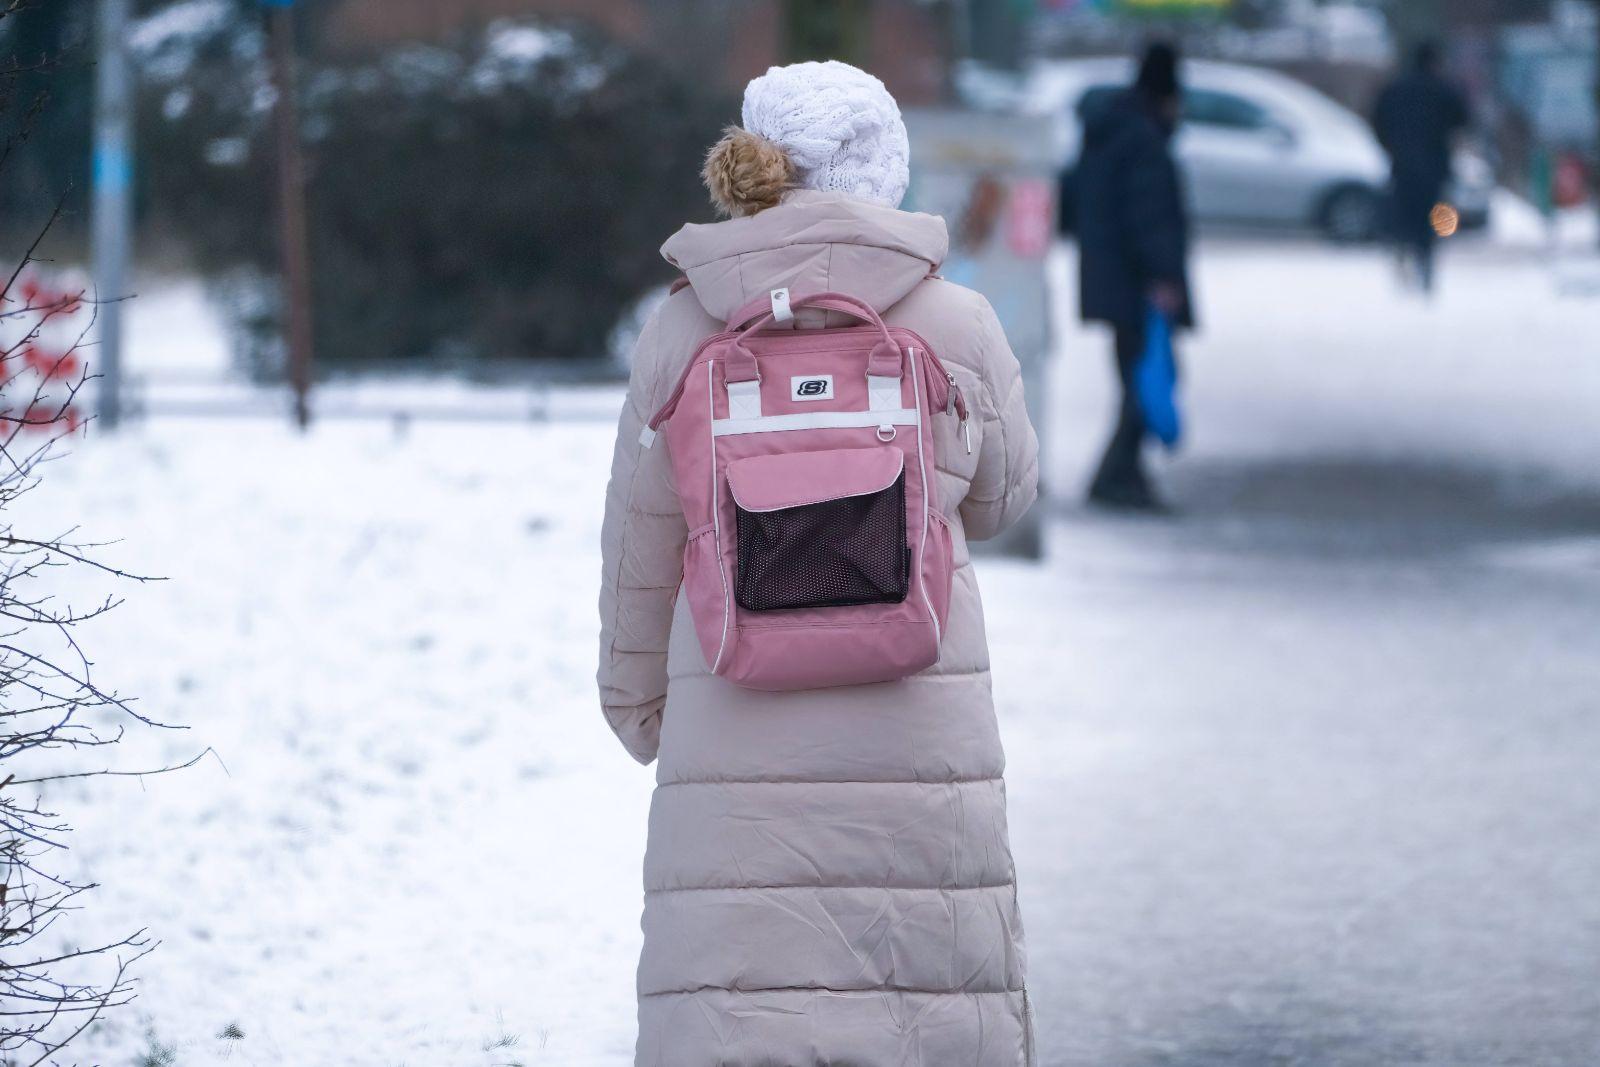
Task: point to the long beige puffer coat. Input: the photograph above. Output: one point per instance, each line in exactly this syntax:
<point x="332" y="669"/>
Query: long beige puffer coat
<point x="828" y="878"/>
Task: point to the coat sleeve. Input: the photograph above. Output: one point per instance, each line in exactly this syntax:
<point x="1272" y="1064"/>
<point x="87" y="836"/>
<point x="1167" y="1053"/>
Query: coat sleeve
<point x="1382" y="119"/>
<point x="1007" y="477"/>
<point x="642" y="565"/>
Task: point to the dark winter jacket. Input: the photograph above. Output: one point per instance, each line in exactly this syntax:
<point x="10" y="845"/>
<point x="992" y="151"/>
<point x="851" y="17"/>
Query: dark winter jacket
<point x="1415" y="118"/>
<point x="1132" y="222"/>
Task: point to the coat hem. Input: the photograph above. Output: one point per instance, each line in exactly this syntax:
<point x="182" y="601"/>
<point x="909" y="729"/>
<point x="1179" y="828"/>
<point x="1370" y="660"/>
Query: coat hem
<point x="832" y="781"/>
<point x="834" y="885"/>
<point x="871" y="991"/>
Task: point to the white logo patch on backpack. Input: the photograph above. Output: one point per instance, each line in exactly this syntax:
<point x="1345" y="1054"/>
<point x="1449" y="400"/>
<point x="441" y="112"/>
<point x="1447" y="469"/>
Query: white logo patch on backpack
<point x="811" y="387"/>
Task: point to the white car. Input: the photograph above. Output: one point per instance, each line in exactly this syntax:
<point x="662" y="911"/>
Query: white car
<point x="1257" y="146"/>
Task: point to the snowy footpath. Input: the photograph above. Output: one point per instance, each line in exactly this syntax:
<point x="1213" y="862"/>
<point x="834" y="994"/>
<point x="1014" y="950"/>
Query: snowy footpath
<point x="1306" y="775"/>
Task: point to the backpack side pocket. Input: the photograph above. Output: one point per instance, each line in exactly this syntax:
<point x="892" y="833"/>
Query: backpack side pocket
<point x="705" y="584"/>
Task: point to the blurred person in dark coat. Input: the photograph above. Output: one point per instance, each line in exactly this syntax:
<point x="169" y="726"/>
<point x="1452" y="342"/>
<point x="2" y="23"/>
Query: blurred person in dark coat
<point x="1416" y="119"/>
<point x="1133" y="248"/>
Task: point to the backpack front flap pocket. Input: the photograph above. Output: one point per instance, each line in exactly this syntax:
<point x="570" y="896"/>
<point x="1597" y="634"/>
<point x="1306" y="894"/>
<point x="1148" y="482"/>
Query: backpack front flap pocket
<point x="821" y="529"/>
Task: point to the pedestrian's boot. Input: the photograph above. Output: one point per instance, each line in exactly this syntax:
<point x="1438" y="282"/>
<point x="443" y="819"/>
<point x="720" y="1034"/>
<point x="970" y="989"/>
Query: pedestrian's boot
<point x="1120" y="482"/>
<point x="1425" y="271"/>
<point x="1127" y="495"/>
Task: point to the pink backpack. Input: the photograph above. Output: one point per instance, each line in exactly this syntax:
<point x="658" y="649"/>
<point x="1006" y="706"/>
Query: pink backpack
<point x="805" y="462"/>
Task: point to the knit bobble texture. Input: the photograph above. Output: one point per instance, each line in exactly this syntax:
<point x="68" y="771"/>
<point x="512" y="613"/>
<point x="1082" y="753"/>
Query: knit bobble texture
<point x="745" y="173"/>
<point x="839" y="125"/>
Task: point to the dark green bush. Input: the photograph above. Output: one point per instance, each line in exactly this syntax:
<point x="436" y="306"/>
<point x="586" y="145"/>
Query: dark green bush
<point x="502" y="196"/>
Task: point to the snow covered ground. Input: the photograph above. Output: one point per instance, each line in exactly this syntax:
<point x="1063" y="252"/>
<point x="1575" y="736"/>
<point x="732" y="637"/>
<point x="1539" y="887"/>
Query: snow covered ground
<point x="1304" y="776"/>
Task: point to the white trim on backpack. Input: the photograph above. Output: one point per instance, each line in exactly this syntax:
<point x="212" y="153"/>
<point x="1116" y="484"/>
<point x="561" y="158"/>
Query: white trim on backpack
<point x="815" y="420"/>
<point x="716" y="522"/>
<point x="744" y="400"/>
<point x="883" y="392"/>
<point x="781" y="313"/>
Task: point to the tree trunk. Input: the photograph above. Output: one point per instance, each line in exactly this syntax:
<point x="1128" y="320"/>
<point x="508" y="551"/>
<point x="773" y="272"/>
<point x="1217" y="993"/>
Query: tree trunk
<point x="994" y="32"/>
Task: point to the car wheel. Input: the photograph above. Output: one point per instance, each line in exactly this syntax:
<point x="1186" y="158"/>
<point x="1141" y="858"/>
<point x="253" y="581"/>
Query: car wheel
<point x="1351" y="214"/>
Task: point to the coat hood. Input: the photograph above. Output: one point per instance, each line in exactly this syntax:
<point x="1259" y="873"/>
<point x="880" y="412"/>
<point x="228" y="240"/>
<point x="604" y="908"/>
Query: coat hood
<point x="812" y="242"/>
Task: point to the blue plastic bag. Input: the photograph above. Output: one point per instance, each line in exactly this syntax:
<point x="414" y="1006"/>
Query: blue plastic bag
<point x="1155" y="381"/>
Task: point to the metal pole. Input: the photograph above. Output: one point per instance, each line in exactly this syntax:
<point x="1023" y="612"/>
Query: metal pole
<point x="112" y="208"/>
<point x="296" y="258"/>
<point x="1595" y="183"/>
<point x="994" y="33"/>
<point x="958" y="44"/>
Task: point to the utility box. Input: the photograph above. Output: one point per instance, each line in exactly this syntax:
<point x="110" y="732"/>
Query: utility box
<point x="993" y="179"/>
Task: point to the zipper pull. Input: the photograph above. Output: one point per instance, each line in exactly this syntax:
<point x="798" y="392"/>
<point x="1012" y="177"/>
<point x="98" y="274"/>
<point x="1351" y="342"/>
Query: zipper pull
<point x="956" y="404"/>
<point x="958" y="401"/>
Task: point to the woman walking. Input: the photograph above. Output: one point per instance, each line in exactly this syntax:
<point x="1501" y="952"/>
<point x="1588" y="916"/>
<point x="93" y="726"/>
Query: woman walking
<point x="828" y="878"/>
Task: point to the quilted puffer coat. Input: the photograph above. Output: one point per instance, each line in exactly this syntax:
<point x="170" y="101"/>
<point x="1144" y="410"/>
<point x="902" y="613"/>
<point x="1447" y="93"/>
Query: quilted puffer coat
<point x="828" y="878"/>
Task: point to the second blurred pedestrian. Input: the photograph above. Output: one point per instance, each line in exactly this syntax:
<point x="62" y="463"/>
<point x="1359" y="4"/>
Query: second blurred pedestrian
<point x="1416" y="119"/>
<point x="1133" y="248"/>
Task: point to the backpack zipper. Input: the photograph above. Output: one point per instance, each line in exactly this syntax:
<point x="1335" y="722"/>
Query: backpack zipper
<point x="954" y="402"/>
<point x="665" y="411"/>
<point x="957" y="404"/>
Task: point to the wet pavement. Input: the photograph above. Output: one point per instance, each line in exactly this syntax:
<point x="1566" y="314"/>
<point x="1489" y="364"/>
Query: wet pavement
<point x="1310" y="773"/>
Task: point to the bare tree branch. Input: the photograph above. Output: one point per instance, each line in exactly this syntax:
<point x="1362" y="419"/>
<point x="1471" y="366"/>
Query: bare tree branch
<point x="54" y="713"/>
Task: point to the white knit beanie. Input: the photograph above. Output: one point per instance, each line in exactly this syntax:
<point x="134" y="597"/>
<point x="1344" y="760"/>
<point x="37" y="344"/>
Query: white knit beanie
<point x="839" y="125"/>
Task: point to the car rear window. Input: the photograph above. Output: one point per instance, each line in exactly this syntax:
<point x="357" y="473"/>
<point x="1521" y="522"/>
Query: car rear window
<point x="1206" y="107"/>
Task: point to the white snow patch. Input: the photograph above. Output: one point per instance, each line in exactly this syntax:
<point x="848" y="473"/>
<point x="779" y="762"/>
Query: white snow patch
<point x="173" y="329"/>
<point x="426" y="838"/>
<point x="524" y="43"/>
<point x="1516" y="223"/>
<point x="177" y="22"/>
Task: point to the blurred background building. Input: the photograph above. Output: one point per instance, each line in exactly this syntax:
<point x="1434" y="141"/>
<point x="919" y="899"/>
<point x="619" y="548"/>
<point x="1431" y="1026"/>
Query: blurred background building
<point x="726" y="42"/>
<point x="472" y="163"/>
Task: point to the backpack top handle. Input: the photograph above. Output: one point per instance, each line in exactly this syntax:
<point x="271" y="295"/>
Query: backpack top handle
<point x="740" y="365"/>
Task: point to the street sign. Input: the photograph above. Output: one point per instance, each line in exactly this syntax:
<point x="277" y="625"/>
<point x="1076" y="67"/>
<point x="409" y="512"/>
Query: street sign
<point x="992" y="177"/>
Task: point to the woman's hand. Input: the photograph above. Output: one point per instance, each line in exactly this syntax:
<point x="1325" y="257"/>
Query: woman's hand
<point x="1167" y="297"/>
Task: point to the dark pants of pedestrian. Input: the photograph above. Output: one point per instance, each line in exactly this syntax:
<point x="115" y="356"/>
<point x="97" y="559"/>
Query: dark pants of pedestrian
<point x="1121" y="470"/>
<point x="1412" y="206"/>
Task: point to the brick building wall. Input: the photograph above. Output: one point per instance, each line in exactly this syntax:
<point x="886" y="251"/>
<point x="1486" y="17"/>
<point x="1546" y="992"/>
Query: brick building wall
<point x="392" y="21"/>
<point x="734" y="39"/>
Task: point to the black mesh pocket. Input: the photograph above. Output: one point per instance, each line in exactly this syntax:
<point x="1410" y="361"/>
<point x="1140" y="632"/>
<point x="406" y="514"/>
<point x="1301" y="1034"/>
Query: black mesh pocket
<point x="835" y="554"/>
